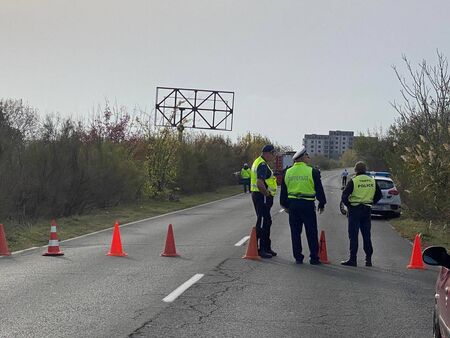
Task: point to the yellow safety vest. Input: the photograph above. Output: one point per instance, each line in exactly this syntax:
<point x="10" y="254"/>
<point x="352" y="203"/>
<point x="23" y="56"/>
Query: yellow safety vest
<point x="299" y="182"/>
<point x="246" y="173"/>
<point x="363" y="190"/>
<point x="271" y="181"/>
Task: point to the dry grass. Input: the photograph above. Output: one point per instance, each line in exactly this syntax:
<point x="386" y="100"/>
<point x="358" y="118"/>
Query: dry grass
<point x="432" y="233"/>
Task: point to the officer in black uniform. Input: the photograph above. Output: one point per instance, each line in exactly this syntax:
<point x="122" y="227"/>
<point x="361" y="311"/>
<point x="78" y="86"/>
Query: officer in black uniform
<point x="263" y="186"/>
<point x="300" y="187"/>
<point x="359" y="195"/>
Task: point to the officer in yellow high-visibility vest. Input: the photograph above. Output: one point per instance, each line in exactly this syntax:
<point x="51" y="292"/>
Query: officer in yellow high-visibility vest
<point x="245" y="177"/>
<point x="263" y="186"/>
<point x="359" y="195"/>
<point x="300" y="187"/>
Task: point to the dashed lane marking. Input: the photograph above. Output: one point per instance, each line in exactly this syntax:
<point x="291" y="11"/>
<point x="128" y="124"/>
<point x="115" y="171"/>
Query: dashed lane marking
<point x="183" y="287"/>
<point x="242" y="241"/>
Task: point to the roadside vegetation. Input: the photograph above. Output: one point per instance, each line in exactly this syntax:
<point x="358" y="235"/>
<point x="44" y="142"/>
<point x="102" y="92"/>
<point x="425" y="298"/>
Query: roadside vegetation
<point x="115" y="163"/>
<point x="416" y="150"/>
<point x="347" y="159"/>
<point x="325" y="163"/>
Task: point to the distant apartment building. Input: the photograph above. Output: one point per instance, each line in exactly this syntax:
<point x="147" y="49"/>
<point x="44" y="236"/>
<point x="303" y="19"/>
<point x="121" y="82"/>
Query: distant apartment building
<point x="316" y="144"/>
<point x="332" y="145"/>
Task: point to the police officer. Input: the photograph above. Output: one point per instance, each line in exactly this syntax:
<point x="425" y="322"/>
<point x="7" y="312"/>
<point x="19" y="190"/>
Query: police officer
<point x="263" y="186"/>
<point x="359" y="195"/>
<point x="344" y="178"/>
<point x="300" y="187"/>
<point x="245" y="178"/>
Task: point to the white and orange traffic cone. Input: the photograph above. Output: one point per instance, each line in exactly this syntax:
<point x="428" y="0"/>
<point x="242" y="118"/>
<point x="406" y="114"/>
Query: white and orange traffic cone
<point x="53" y="243"/>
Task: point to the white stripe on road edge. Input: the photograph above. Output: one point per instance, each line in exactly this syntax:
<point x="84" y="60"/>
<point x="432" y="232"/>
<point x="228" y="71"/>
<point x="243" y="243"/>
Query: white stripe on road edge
<point x="242" y="241"/>
<point x="183" y="287"/>
<point x="152" y="218"/>
<point x="18" y="252"/>
<point x="135" y="222"/>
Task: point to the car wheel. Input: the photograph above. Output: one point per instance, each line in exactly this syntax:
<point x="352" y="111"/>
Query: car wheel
<point x="342" y="208"/>
<point x="436" y="330"/>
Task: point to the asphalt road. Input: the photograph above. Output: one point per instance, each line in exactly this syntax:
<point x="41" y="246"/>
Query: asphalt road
<point x="88" y="294"/>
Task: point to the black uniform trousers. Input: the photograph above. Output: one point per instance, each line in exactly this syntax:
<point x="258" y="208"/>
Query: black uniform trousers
<point x="246" y="184"/>
<point x="262" y="205"/>
<point x="303" y="212"/>
<point x="359" y="219"/>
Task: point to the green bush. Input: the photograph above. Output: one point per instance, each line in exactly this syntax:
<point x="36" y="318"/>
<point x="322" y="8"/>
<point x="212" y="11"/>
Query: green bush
<point x="57" y="167"/>
<point x="325" y="163"/>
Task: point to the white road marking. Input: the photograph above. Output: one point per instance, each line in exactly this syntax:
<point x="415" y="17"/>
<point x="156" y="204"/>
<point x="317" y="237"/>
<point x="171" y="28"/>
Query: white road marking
<point x="18" y="252"/>
<point x="152" y="218"/>
<point x="183" y="287"/>
<point x="131" y="223"/>
<point x="242" y="241"/>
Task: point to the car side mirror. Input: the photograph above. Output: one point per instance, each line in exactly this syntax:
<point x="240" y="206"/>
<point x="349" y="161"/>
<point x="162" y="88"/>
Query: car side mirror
<point x="436" y="255"/>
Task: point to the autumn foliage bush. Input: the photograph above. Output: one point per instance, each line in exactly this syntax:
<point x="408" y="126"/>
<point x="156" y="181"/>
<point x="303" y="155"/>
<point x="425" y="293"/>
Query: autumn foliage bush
<point x="60" y="167"/>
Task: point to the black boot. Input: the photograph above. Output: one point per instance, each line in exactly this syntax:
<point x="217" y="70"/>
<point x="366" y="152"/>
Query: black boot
<point x="349" y="263"/>
<point x="264" y="254"/>
<point x="273" y="253"/>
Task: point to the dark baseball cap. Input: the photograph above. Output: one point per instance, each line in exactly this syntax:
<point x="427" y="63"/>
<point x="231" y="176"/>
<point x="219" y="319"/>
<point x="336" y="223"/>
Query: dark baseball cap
<point x="268" y="148"/>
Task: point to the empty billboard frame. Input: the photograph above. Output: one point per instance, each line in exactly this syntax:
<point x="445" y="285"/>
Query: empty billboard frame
<point x="194" y="108"/>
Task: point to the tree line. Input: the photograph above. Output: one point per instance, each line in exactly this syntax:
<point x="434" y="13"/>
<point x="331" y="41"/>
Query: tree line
<point x="416" y="148"/>
<point x="54" y="167"/>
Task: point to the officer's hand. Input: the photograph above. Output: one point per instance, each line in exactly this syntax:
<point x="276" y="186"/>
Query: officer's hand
<point x="286" y="211"/>
<point x="321" y="211"/>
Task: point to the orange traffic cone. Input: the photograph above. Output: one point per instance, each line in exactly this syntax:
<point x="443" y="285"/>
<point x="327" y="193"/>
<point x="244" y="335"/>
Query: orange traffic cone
<point x="53" y="243"/>
<point x="169" y="249"/>
<point x="4" y="251"/>
<point x="252" y="247"/>
<point x="323" y="257"/>
<point x="416" y="261"/>
<point x="116" y="244"/>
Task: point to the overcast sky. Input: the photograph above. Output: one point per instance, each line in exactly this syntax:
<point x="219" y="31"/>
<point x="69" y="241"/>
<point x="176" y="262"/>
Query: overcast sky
<point x="296" y="66"/>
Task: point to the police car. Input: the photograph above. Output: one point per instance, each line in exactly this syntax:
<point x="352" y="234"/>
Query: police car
<point x="390" y="203"/>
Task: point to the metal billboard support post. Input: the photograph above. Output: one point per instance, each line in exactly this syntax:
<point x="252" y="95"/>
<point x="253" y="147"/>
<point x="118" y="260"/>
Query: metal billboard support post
<point x="180" y="128"/>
